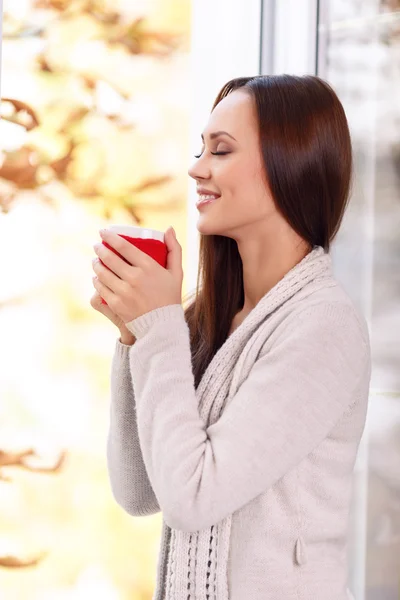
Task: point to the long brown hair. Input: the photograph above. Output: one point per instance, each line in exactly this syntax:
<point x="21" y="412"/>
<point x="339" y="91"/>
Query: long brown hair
<point x="307" y="157"/>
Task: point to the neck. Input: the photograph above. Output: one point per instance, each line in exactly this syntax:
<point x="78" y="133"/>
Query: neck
<point x="265" y="264"/>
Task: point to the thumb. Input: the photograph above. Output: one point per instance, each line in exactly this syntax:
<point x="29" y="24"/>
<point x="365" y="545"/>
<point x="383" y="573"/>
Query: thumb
<point x="174" y="257"/>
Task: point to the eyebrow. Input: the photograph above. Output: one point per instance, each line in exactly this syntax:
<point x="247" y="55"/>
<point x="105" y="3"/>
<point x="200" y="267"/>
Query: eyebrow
<point x="216" y="134"/>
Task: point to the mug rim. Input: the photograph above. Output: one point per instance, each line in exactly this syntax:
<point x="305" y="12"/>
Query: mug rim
<point x="138" y="232"/>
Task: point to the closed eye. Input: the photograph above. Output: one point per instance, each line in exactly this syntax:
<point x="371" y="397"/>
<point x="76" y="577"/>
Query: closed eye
<point x="214" y="153"/>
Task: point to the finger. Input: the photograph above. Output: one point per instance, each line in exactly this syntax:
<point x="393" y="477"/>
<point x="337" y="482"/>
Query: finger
<point x="132" y="254"/>
<point x="95" y="300"/>
<point x="174" y="257"/>
<point x="107" y="277"/>
<point x="96" y="303"/>
<point x="105" y="292"/>
<point x="113" y="261"/>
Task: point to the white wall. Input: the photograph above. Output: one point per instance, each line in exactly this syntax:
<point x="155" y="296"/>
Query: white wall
<point x="225" y="44"/>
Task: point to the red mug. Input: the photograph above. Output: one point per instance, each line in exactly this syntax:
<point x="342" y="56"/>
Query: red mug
<point x="150" y="241"/>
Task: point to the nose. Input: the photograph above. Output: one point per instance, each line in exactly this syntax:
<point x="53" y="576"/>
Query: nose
<point x="200" y="169"/>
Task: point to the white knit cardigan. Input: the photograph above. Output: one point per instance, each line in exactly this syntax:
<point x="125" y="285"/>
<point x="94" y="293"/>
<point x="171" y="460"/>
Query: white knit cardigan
<point x="253" y="470"/>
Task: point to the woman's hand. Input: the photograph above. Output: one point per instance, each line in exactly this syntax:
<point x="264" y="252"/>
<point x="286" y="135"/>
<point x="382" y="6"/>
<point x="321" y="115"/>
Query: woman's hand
<point x="126" y="336"/>
<point x="105" y="310"/>
<point x="131" y="290"/>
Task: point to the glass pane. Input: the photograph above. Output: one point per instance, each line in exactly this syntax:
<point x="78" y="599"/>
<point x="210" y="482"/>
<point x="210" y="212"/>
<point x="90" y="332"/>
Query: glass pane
<point x="359" y="54"/>
<point x="94" y="131"/>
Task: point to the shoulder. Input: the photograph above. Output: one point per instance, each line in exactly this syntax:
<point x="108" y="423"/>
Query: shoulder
<point x="322" y="320"/>
<point x="334" y="303"/>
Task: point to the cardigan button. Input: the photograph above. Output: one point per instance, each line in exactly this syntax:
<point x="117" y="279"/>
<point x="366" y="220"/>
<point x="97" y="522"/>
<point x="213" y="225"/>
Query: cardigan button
<point x="300" y="552"/>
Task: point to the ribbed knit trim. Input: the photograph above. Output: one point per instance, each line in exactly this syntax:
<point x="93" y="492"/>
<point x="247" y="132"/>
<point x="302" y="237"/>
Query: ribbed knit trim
<point x="139" y="326"/>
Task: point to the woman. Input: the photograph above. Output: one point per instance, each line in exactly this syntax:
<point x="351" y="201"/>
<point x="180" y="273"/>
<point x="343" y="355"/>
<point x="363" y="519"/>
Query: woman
<point x="240" y="417"/>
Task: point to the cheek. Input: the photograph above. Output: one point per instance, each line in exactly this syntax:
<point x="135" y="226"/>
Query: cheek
<point x="237" y="176"/>
<point x="246" y="191"/>
<point x="245" y="180"/>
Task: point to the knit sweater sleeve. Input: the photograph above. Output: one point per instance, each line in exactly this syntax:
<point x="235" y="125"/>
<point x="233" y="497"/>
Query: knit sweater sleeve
<point x="295" y="394"/>
<point x="127" y="472"/>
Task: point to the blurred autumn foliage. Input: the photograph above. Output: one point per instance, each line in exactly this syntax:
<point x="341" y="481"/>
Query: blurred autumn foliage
<point x="85" y="115"/>
<point x="83" y="118"/>
<point x="21" y="459"/>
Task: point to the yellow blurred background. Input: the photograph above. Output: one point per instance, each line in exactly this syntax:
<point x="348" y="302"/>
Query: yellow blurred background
<point x="94" y="131"/>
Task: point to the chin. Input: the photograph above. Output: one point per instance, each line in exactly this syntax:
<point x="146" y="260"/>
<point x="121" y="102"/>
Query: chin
<point x="206" y="228"/>
<point x="210" y="229"/>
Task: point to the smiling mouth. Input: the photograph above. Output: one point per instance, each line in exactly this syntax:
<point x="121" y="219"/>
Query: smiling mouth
<point x="205" y="199"/>
<point x="205" y="195"/>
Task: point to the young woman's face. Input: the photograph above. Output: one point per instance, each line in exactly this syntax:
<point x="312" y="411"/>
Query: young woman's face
<point x="244" y="202"/>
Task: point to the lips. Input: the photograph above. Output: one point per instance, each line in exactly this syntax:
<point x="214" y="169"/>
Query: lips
<point x="206" y="200"/>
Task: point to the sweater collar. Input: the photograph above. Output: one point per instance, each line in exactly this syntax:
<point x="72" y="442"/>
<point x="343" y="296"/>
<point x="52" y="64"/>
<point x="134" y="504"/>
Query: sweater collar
<point x="315" y="266"/>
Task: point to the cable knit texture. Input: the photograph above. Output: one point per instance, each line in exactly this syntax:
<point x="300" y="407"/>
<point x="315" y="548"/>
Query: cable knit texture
<point x="253" y="469"/>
